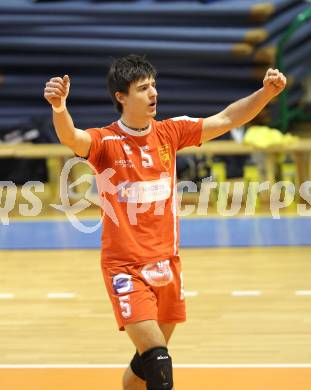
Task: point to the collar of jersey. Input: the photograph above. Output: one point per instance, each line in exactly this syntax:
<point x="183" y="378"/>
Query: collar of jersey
<point x="133" y="132"/>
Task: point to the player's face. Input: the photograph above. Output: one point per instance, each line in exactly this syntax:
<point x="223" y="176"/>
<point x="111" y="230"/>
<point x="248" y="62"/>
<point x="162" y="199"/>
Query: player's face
<point x="141" y="100"/>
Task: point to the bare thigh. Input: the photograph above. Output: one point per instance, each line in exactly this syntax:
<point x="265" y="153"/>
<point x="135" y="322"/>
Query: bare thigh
<point x="145" y="335"/>
<point x="167" y="330"/>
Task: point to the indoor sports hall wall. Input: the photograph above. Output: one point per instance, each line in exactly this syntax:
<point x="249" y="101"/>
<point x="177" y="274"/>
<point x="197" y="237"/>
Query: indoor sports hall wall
<point x="217" y="51"/>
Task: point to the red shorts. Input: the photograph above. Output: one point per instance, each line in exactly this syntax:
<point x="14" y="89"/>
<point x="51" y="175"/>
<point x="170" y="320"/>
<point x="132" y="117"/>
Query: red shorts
<point x="152" y="291"/>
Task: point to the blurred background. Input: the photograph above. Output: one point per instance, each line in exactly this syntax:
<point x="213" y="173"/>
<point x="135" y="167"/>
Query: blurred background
<point x="247" y="269"/>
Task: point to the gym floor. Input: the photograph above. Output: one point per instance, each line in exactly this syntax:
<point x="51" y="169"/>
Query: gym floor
<point x="248" y="311"/>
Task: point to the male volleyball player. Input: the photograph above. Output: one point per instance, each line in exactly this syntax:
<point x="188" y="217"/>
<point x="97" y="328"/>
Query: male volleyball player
<point x="134" y="159"/>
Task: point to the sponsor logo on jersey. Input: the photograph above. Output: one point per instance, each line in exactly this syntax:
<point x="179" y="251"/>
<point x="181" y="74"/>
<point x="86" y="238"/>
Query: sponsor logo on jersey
<point x="113" y="138"/>
<point x="127" y="149"/>
<point x="145" y="191"/>
<point x="158" y="274"/>
<point x="165" y="155"/>
<point x="124" y="163"/>
<point x="185" y="118"/>
<point x="122" y="283"/>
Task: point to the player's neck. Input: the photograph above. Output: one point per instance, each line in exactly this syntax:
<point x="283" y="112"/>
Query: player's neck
<point x="135" y="124"/>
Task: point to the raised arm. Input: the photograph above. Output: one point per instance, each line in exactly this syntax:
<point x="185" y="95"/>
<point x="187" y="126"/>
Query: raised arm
<point x="56" y="92"/>
<point x="244" y="110"/>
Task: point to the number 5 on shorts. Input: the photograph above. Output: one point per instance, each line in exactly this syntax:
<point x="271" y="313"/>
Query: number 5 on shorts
<point x="125" y="306"/>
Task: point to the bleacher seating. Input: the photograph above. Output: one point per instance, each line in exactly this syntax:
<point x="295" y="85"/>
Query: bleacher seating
<point x="208" y="53"/>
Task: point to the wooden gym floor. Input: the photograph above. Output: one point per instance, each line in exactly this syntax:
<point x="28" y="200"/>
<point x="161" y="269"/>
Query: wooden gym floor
<point x="249" y="321"/>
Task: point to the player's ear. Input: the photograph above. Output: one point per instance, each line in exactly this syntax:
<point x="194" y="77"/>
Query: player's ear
<point x="120" y="97"/>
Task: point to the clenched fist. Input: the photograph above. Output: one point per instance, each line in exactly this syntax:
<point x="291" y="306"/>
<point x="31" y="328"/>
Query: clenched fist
<point x="274" y="82"/>
<point x="56" y="92"/>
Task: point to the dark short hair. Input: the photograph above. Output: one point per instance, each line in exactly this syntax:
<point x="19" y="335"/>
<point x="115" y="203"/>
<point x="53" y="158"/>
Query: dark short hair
<point x="125" y="70"/>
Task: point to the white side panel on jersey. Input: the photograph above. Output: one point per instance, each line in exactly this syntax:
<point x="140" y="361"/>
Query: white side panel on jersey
<point x="174" y="210"/>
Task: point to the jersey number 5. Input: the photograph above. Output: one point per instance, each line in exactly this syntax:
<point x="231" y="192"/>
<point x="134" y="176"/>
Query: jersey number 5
<point x="146" y="158"/>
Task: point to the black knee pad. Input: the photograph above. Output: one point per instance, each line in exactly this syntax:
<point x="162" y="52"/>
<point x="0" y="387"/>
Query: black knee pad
<point x="158" y="369"/>
<point x="137" y="366"/>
